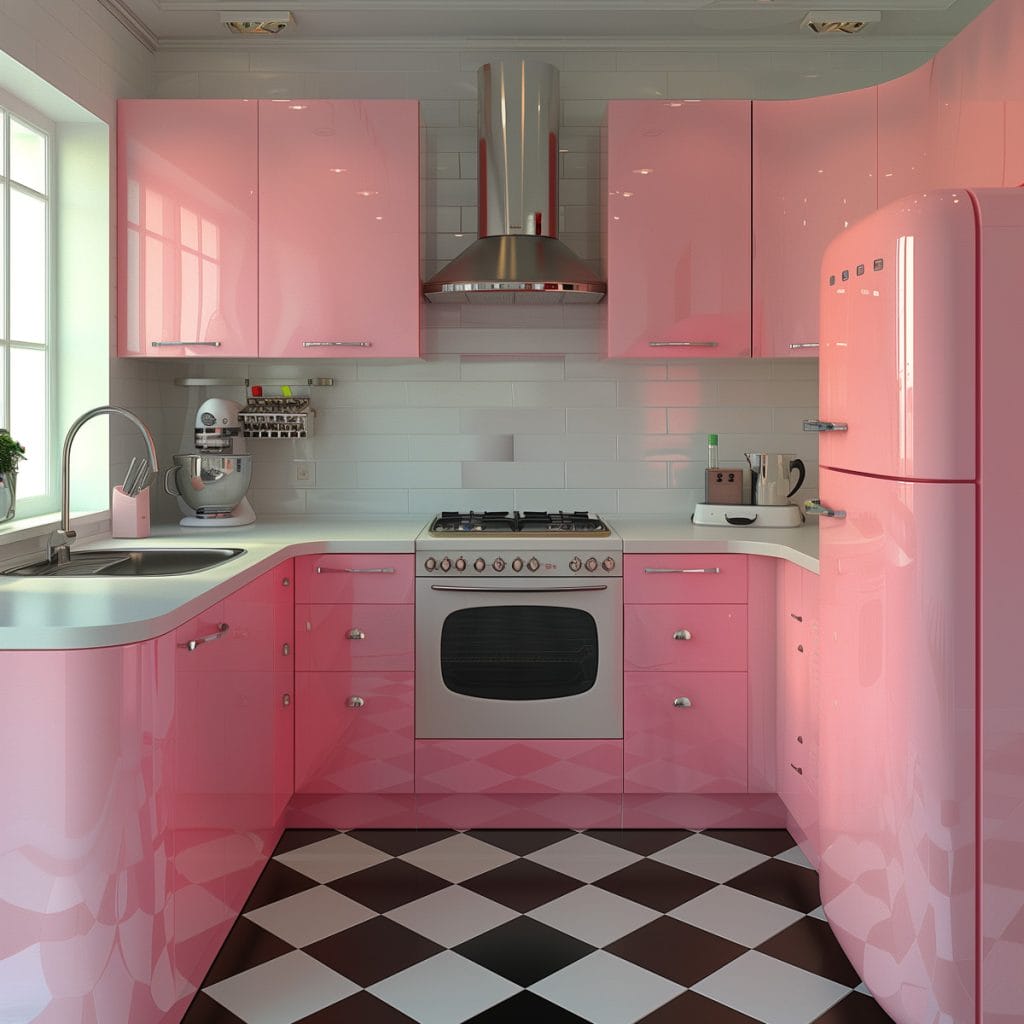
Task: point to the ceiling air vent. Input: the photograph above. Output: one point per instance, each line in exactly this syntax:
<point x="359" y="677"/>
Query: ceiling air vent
<point x="845" y="22"/>
<point x="257" y="23"/>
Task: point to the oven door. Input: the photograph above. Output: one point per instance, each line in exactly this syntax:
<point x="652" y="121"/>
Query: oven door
<point x="519" y="659"/>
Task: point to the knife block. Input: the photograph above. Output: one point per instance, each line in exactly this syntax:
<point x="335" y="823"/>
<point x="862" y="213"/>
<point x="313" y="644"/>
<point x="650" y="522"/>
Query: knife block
<point x="129" y="517"/>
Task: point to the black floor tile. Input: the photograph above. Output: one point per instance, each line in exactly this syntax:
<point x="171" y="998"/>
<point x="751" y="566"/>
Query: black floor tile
<point x="522" y="885"/>
<point x="691" y="1008"/>
<point x="655" y="885"/>
<point x="524" y="950"/>
<point x="811" y="945"/>
<point x="856" y="1008"/>
<point x="373" y="950"/>
<point x="644" y="841"/>
<point x="769" y="841"/>
<point x="526" y="1008"/>
<point x="362" y="1008"/>
<point x="206" y="1010"/>
<point x="276" y="882"/>
<point x="296" y="838"/>
<point x="247" y="945"/>
<point x="521" y="841"/>
<point x="781" y="882"/>
<point x="397" y="841"/>
<point x="676" y="951"/>
<point x="388" y="885"/>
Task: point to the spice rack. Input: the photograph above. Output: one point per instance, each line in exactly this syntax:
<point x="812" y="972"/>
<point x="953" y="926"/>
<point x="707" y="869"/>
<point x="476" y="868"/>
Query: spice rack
<point x="276" y="416"/>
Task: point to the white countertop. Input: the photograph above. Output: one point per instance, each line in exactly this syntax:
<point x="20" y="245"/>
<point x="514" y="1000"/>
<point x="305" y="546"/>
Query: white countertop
<point x="47" y="613"/>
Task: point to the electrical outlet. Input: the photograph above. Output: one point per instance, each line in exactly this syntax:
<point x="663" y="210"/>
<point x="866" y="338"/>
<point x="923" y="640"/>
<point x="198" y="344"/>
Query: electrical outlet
<point x="305" y="472"/>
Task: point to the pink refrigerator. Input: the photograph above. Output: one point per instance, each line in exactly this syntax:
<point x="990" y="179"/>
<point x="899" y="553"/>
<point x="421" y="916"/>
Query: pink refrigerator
<point x="921" y="693"/>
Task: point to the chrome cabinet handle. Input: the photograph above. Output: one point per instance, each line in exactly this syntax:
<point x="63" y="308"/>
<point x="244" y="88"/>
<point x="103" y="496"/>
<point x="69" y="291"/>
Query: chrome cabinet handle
<point x="682" y="702"/>
<point x="824" y="426"/>
<point x="286" y="649"/>
<point x="799" y="739"/>
<point x="517" y="590"/>
<point x="800" y="648"/>
<point x="793" y="615"/>
<point x="355" y="702"/>
<point x="355" y="634"/>
<point x="805" y="344"/>
<point x="799" y="771"/>
<point x="814" y="507"/>
<point x="182" y="344"/>
<point x="191" y="645"/>
<point x="337" y="344"/>
<point x="683" y="344"/>
<point x="682" y="634"/>
<point x="650" y="570"/>
<point x="285" y="581"/>
<point x="320" y="569"/>
<point x="286" y="700"/>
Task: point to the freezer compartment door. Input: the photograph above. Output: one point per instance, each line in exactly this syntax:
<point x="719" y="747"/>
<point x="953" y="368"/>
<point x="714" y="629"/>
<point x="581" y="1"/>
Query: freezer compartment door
<point x="898" y="341"/>
<point x="897" y="748"/>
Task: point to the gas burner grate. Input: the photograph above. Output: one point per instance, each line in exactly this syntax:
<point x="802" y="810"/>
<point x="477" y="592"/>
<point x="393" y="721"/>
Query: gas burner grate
<point x="519" y="522"/>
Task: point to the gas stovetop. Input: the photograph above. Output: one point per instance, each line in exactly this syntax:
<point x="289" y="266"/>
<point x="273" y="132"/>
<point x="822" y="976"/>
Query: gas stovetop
<point x="511" y="523"/>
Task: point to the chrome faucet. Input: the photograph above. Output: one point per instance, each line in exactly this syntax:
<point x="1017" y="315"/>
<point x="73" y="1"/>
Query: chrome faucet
<point x="59" y="542"/>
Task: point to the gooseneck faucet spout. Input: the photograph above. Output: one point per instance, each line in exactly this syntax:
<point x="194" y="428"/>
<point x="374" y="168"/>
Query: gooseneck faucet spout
<point x="59" y="544"/>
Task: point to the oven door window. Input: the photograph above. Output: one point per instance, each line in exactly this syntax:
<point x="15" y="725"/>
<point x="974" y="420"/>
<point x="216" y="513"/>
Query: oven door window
<point x="519" y="652"/>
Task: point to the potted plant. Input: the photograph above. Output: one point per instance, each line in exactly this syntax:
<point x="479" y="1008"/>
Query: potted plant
<point x="11" y="453"/>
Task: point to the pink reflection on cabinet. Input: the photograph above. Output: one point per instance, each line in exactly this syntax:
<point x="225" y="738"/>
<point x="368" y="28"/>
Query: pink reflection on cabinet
<point x="354" y="638"/>
<point x="685" y="637"/>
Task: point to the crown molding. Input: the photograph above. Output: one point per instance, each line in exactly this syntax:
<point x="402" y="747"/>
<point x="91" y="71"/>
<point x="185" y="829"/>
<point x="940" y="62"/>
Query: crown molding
<point x="139" y="29"/>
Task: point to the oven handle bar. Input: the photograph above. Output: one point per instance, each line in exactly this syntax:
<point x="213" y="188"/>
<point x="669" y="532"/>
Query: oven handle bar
<point x="517" y="590"/>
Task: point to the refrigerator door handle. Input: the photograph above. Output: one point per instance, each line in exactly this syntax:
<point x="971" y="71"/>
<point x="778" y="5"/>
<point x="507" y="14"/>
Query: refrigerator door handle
<point x="814" y="507"/>
<point x="823" y="426"/>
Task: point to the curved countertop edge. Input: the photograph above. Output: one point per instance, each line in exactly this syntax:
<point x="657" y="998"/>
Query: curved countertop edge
<point x="665" y="535"/>
<point x="43" y="613"/>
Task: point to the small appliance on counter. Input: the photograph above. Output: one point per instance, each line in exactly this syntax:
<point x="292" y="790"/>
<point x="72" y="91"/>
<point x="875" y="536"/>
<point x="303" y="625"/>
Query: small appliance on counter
<point x="210" y="484"/>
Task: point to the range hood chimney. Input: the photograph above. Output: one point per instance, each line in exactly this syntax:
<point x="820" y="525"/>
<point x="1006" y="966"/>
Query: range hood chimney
<point x="517" y="257"/>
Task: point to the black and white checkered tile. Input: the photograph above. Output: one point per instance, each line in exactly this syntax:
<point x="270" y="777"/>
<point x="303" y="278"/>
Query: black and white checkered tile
<point x="545" y="926"/>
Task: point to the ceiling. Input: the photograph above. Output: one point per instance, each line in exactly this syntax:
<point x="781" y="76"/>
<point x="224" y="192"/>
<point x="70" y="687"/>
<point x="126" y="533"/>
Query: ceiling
<point x="565" y="23"/>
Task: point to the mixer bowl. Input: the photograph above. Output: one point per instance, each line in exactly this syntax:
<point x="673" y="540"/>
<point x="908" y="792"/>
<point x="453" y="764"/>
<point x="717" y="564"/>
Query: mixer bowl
<point x="209" y="484"/>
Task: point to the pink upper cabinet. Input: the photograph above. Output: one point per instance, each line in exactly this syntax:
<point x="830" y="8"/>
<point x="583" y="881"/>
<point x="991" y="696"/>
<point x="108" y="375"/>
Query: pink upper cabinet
<point x="186" y="232"/>
<point x="339" y="228"/>
<point x="814" y="176"/>
<point x="678" y="219"/>
<point x="905" y="155"/>
<point x="897" y="363"/>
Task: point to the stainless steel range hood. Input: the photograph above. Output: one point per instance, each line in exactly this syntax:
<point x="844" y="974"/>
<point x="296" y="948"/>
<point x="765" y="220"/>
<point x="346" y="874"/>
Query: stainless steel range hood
<point x="517" y="257"/>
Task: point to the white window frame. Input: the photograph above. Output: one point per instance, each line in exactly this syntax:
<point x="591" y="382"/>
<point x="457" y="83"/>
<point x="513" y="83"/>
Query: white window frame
<point x="11" y="106"/>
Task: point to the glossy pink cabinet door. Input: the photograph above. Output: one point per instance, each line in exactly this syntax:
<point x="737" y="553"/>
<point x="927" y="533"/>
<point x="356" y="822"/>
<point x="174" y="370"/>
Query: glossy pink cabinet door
<point x="354" y="637"/>
<point x="355" y="579"/>
<point x="685" y="732"/>
<point x="814" y="176"/>
<point x="684" y="579"/>
<point x="339" y="228"/>
<point x="897" y="787"/>
<point x="898" y="366"/>
<point x="354" y="732"/>
<point x="905" y="150"/>
<point x="186" y="238"/>
<point x="685" y="637"/>
<point x="678" y="228"/>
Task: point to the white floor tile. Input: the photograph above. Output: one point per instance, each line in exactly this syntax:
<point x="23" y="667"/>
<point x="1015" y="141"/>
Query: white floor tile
<point x="458" y="857"/>
<point x="584" y="857"/>
<point x="736" y="915"/>
<point x="445" y="989"/>
<point x="282" y="991"/>
<point x="795" y="856"/>
<point x="310" y="915"/>
<point x="770" y="990"/>
<point x="606" y="990"/>
<point x="709" y="858"/>
<point x="451" y="915"/>
<point x="593" y="915"/>
<point x="332" y="858"/>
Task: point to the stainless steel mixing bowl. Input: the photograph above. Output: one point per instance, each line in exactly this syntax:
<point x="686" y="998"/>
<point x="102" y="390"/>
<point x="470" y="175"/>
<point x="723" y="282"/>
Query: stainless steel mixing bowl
<point x="209" y="483"/>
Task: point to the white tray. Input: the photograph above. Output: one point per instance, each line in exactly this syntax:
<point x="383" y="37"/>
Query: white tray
<point x="747" y="516"/>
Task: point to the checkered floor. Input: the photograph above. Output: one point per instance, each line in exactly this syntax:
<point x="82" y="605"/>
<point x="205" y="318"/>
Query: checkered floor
<point x="545" y="926"/>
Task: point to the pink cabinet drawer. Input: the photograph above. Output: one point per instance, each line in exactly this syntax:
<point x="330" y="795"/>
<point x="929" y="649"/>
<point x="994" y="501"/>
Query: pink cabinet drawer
<point x="354" y="732"/>
<point x="347" y="579"/>
<point x="686" y="732"/>
<point x="678" y="579"/>
<point x="353" y="637"/>
<point x="685" y="637"/>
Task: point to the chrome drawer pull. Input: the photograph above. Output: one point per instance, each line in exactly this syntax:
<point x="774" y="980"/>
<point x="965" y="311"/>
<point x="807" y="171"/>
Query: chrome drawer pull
<point x="805" y="344"/>
<point x="286" y="649"/>
<point x="814" y="507"/>
<point x="823" y="426"/>
<point x="517" y="590"/>
<point x="191" y="645"/>
<point x="799" y="739"/>
<point x="355" y="634"/>
<point x="354" y="702"/>
<point x="182" y="344"/>
<point x="286" y="700"/>
<point x="793" y="615"/>
<point x="800" y="648"/>
<point x="799" y="771"/>
<point x="682" y="634"/>
<point x="681" y="570"/>
<point x="682" y="702"/>
<point x="321" y="569"/>
<point x="683" y="344"/>
<point x="337" y="344"/>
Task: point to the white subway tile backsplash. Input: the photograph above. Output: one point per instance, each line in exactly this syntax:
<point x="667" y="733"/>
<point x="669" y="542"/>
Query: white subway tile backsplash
<point x="619" y="421"/>
<point x="462" y="447"/>
<point x="586" y="86"/>
<point x="596" y="368"/>
<point x="670" y="393"/>
<point x="561" y="394"/>
<point x="331" y="475"/>
<point x="363" y="502"/>
<point x="662" y="447"/>
<point x="461" y="394"/>
<point x="288" y="501"/>
<point x="522" y="369"/>
<point x="783" y="392"/>
<point x="616" y="474"/>
<point x="570" y="447"/>
<point x="408" y="474"/>
<point x="714" y="419"/>
<point x="430" y="502"/>
<point x="513" y="474"/>
<point x="430" y="369"/>
<point x="360" y="421"/>
<point x="668" y="502"/>
<point x="512" y="421"/>
<point x="601" y="500"/>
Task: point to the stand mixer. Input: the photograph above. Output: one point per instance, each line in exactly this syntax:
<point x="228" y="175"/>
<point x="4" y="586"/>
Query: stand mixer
<point x="211" y="484"/>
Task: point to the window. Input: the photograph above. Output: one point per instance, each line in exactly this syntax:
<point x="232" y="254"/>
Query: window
<point x="25" y="298"/>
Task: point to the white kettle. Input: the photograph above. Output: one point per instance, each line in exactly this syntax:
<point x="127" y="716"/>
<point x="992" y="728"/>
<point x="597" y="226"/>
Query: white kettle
<point x="772" y="475"/>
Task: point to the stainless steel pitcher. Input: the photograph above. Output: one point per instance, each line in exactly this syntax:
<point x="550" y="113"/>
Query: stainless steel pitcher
<point x="772" y="474"/>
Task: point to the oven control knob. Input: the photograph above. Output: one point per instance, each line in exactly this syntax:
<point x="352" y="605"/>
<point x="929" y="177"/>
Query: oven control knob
<point x="479" y="565"/>
<point x="430" y="564"/>
<point x="446" y="565"/>
<point x="575" y="564"/>
<point x="460" y="564"/>
<point x="608" y="564"/>
<point x="533" y="565"/>
<point x="498" y="565"/>
<point x="591" y="564"/>
<point x="517" y="565"/>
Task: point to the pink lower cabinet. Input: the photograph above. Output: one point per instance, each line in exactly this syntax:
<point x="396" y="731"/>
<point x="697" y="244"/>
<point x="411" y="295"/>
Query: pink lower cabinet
<point x="354" y="637"/>
<point x="354" y="732"/>
<point x="685" y="637"/>
<point x="685" y="732"/>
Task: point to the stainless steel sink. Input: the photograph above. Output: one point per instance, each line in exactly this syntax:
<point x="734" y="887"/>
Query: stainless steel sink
<point x="132" y="562"/>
